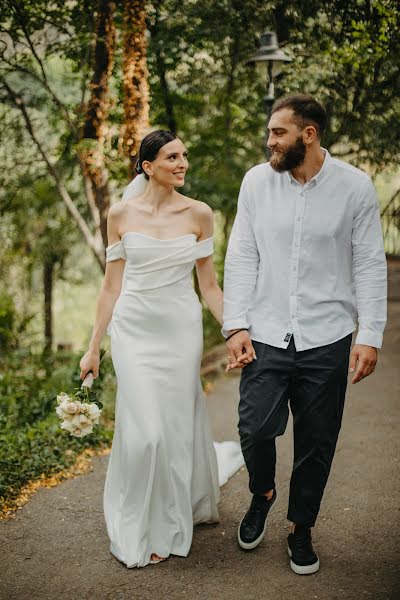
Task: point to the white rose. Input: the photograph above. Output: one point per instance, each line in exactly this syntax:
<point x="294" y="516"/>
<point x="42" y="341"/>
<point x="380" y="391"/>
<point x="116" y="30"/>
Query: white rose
<point x="94" y="410"/>
<point x="62" y="397"/>
<point x="60" y="411"/>
<point x="72" y="408"/>
<point x="68" y="417"/>
<point x="67" y="425"/>
<point x="76" y="420"/>
<point x="84" y="408"/>
<point x="84" y="420"/>
<point x="81" y="431"/>
<point x="88" y="429"/>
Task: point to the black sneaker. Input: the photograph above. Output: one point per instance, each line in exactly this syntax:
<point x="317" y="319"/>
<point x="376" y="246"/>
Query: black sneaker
<point x="252" y="527"/>
<point x="303" y="561"/>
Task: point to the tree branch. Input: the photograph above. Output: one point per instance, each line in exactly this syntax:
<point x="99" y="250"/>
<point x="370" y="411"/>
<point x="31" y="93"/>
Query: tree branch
<point x="90" y="239"/>
<point x="28" y="39"/>
<point x="47" y="87"/>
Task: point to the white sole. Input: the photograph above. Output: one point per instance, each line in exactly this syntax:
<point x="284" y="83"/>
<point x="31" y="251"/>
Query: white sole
<point x="303" y="570"/>
<point x="252" y="545"/>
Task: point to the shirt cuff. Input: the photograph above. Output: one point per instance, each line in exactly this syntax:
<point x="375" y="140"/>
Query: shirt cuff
<point x="369" y="338"/>
<point x="234" y="324"/>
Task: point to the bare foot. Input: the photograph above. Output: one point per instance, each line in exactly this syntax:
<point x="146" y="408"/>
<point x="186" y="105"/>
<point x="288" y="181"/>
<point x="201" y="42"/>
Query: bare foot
<point x="154" y="559"/>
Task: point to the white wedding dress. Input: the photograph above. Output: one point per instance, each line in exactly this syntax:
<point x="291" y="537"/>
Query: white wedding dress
<point x="162" y="475"/>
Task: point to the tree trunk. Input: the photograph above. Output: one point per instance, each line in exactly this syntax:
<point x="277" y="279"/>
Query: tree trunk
<point x="95" y="126"/>
<point x="162" y="70"/>
<point x="135" y="84"/>
<point x="168" y="105"/>
<point x="48" y="272"/>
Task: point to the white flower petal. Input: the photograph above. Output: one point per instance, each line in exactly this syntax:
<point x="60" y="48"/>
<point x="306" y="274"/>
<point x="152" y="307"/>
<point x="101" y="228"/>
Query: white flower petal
<point x="94" y="409"/>
<point x="62" y="398"/>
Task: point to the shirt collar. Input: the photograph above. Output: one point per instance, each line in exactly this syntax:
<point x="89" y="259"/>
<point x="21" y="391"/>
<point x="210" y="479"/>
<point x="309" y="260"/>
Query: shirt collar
<point x="318" y="176"/>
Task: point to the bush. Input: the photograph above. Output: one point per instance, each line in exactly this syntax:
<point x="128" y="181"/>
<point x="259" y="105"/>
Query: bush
<point x="31" y="441"/>
<point x="28" y="452"/>
<point x="7" y="321"/>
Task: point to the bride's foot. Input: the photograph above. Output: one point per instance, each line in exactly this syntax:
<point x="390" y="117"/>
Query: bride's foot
<point x="154" y="559"/>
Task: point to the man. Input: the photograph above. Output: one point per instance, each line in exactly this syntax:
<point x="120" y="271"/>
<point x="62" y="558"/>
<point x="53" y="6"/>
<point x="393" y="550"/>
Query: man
<point x="305" y="261"/>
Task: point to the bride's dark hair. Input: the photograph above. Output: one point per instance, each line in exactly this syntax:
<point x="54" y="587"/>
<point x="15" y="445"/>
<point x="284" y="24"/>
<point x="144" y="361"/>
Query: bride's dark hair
<point x="150" y="147"/>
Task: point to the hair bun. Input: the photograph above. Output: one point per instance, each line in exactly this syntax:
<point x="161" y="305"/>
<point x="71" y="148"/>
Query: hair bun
<point x="138" y="167"/>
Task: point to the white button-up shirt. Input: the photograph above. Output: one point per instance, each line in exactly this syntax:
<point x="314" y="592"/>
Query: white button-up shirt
<point x="306" y="260"/>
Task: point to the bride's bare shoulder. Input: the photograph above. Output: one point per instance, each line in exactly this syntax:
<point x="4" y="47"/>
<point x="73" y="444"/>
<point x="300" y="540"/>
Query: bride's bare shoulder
<point x="199" y="209"/>
<point x="202" y="218"/>
<point x="118" y="210"/>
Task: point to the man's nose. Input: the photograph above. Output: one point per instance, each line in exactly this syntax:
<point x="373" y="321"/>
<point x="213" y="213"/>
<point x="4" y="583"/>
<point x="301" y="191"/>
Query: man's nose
<point x="271" y="141"/>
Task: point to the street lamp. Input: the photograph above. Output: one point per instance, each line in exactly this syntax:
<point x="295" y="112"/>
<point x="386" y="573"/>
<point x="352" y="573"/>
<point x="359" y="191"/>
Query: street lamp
<point x="269" y="60"/>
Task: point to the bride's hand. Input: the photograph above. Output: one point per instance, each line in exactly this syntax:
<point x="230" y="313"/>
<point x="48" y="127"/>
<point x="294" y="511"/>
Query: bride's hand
<point x="239" y="364"/>
<point x="240" y="350"/>
<point x="90" y="362"/>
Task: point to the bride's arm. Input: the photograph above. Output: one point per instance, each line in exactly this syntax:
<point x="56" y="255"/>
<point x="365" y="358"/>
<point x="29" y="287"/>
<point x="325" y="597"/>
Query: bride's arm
<point x="108" y="295"/>
<point x="209" y="288"/>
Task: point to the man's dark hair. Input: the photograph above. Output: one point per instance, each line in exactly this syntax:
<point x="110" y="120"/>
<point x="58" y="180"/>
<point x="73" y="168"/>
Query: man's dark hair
<point x="307" y="110"/>
<point x="151" y="145"/>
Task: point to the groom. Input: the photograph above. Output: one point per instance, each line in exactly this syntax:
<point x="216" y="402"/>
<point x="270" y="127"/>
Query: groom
<point x="305" y="263"/>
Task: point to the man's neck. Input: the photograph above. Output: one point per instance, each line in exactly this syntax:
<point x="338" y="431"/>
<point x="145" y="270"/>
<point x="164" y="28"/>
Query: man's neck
<point x="311" y="166"/>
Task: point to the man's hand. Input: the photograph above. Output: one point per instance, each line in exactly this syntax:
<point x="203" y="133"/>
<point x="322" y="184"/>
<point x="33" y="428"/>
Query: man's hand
<point x="362" y="361"/>
<point x="240" y="350"/>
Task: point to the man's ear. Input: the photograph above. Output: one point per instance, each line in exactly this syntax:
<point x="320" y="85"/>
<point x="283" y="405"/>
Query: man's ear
<point x="309" y="134"/>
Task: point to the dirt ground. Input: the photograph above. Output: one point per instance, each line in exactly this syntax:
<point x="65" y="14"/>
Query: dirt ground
<point x="57" y="547"/>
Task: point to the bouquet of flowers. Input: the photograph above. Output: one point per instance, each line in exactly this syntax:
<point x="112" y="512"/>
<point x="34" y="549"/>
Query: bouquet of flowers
<point x="81" y="409"/>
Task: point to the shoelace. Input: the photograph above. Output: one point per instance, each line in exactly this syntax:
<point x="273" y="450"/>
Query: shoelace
<point x="302" y="539"/>
<point x="256" y="507"/>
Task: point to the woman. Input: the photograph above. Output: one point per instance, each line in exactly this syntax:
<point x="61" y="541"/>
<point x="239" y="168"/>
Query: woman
<point x="162" y="476"/>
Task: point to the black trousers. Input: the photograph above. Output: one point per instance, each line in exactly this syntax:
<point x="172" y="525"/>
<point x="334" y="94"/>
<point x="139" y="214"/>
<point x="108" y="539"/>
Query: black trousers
<point x="314" y="382"/>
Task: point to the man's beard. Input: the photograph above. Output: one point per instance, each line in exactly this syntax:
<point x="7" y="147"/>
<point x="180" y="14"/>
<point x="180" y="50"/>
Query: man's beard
<point x="290" y="158"/>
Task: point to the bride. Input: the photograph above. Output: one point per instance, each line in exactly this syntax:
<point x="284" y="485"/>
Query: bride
<point x="162" y="475"/>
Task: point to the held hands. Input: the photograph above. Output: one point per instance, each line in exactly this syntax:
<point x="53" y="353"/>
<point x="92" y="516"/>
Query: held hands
<point x="362" y="361"/>
<point x="90" y="362"/>
<point x="240" y="351"/>
<point x="363" y="358"/>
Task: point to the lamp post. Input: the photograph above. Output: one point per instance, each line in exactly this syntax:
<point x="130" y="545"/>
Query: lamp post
<point x="269" y="61"/>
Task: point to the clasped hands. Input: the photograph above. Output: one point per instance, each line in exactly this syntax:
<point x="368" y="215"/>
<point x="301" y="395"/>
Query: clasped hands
<point x="241" y="352"/>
